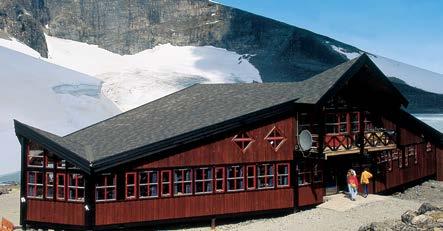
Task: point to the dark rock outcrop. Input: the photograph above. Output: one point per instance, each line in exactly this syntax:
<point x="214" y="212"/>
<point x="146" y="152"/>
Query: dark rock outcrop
<point x="281" y="52"/>
<point x="428" y="217"/>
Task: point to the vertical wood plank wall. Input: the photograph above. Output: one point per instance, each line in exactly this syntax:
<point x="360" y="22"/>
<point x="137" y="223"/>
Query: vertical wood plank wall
<point x="192" y="206"/>
<point x="55" y="212"/>
<point x="220" y="152"/>
<point x="426" y="166"/>
<point x="224" y="151"/>
<point x="439" y="154"/>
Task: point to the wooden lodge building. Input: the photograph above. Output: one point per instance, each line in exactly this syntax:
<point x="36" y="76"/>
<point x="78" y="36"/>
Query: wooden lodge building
<point x="220" y="150"/>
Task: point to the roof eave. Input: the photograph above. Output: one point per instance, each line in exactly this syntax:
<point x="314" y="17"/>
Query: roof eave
<point x="191" y="137"/>
<point x="22" y="130"/>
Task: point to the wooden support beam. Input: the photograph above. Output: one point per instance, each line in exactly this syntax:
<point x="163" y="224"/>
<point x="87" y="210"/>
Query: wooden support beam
<point x="213" y="224"/>
<point x="23" y="178"/>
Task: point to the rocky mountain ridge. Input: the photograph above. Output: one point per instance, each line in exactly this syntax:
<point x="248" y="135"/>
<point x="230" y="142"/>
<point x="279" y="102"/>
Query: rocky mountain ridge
<point x="279" y="51"/>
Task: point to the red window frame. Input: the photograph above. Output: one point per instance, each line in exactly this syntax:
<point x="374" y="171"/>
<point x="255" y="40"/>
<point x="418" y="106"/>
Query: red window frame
<point x="30" y="156"/>
<point x="249" y="177"/>
<point x="61" y="164"/>
<point x="168" y="184"/>
<point x="236" y="177"/>
<point x="77" y="187"/>
<point x="33" y="186"/>
<point x="354" y="122"/>
<point x="133" y="186"/>
<point x="60" y="188"/>
<point x="243" y="141"/>
<point x="288" y="175"/>
<point x="106" y="187"/>
<point x="183" y="182"/>
<point x="148" y="183"/>
<point x="49" y="186"/>
<point x="275" y="138"/>
<point x="266" y="176"/>
<point x="49" y="162"/>
<point x="205" y="180"/>
<point x="217" y="179"/>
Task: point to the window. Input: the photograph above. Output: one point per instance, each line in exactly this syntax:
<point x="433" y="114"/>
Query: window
<point x="148" y="182"/>
<point x="265" y="176"/>
<point x="343" y="125"/>
<point x="166" y="183"/>
<point x="235" y="178"/>
<point x="35" y="184"/>
<point x="243" y="140"/>
<point x="395" y="153"/>
<point x="61" y="181"/>
<point x="61" y="164"/>
<point x="50" y="185"/>
<point x="355" y="121"/>
<point x="219" y="179"/>
<point x="182" y="182"/>
<point x="35" y="155"/>
<point x="317" y="176"/>
<point x="389" y="160"/>
<point x="203" y="180"/>
<point x="105" y="189"/>
<point x="49" y="161"/>
<point x="282" y="175"/>
<point x="400" y="159"/>
<point x="275" y="138"/>
<point x="428" y="147"/>
<point x="76" y="187"/>
<point x="131" y="185"/>
<point x="71" y="166"/>
<point x="332" y="123"/>
<point x="250" y="176"/>
<point x="369" y="126"/>
<point x="412" y="151"/>
<point x="304" y="175"/>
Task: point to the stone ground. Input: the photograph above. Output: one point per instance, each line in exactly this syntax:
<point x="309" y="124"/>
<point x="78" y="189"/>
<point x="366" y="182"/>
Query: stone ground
<point x="337" y="213"/>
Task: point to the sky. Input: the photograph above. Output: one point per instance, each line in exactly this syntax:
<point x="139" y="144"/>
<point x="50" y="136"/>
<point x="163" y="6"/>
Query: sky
<point x="409" y="31"/>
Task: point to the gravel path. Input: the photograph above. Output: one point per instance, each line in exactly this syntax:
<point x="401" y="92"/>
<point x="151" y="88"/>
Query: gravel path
<point x="329" y="219"/>
<point x="338" y="213"/>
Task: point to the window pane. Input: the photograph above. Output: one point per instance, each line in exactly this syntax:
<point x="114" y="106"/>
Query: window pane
<point x="153" y="177"/>
<point x="50" y="192"/>
<point x="130" y="191"/>
<point x="100" y="194"/>
<point x="143" y="191"/>
<point x="110" y="193"/>
<point x="153" y="190"/>
<point x="143" y="178"/>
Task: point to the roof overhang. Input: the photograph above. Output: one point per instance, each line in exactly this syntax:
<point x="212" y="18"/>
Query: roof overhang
<point x="23" y="130"/>
<point x="361" y="62"/>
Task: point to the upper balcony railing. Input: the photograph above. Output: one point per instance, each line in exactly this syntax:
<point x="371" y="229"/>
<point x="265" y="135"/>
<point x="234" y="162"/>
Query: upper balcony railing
<point x="347" y="133"/>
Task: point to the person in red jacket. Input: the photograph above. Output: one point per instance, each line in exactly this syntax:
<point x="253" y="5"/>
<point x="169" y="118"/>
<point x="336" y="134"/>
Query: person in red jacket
<point x="352" y="184"/>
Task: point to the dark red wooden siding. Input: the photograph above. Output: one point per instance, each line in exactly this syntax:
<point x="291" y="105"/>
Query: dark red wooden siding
<point x="192" y="206"/>
<point x="439" y="153"/>
<point x="55" y="212"/>
<point x="219" y="152"/>
<point x="311" y="194"/>
<point x="225" y="151"/>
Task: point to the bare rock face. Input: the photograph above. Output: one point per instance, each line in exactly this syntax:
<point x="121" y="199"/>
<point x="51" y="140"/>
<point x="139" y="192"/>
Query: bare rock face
<point x="281" y="52"/>
<point x="18" y="19"/>
<point x="425" y="207"/>
<point x="428" y="217"/>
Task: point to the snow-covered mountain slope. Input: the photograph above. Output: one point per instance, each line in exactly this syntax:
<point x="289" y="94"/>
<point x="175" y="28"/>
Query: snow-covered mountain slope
<point x="412" y="75"/>
<point x="44" y="95"/>
<point x="132" y="80"/>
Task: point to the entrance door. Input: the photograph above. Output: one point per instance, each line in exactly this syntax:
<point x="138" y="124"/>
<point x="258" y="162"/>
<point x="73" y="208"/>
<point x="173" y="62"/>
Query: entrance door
<point x="335" y="172"/>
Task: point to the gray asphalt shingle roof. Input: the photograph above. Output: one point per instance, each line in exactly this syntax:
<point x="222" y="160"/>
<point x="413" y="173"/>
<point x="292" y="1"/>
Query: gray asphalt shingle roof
<point x="193" y="108"/>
